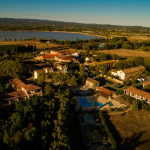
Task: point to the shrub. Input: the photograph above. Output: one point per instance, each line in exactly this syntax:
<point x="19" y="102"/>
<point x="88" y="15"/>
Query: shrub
<point x="116" y="86"/>
<point x="109" y="134"/>
<point x="119" y="91"/>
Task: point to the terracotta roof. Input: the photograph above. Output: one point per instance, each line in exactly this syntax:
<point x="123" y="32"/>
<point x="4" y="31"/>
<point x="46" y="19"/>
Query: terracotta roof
<point x="31" y="87"/>
<point x="13" y="95"/>
<point x="19" y="84"/>
<point x="49" y="56"/>
<point x="105" y="90"/>
<point x="147" y="83"/>
<point x="103" y="94"/>
<point x="135" y="69"/>
<point x="91" y="80"/>
<point x="103" y="62"/>
<point x="66" y="57"/>
<point x="138" y="92"/>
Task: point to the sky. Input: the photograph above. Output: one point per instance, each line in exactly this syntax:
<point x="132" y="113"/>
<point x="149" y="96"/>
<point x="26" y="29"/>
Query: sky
<point x="114" y="12"/>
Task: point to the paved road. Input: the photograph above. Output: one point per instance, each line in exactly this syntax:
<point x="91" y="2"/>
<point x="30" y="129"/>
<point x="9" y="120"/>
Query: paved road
<point x="111" y="84"/>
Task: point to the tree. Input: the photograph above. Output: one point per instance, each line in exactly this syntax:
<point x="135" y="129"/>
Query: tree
<point x="76" y="73"/>
<point x="41" y="77"/>
<point x="93" y="107"/>
<point x="5" y="39"/>
<point x="146" y="88"/>
<point x="8" y="86"/>
<point x="119" y="91"/>
<point x="1" y="89"/>
<point x="16" y="119"/>
<point x="139" y="61"/>
<point x="87" y="52"/>
<point x="73" y="81"/>
<point x="6" y="137"/>
<point x="114" y="56"/>
<point x="81" y="80"/>
<point x="135" y="105"/>
<point x="82" y="68"/>
<point x="49" y="89"/>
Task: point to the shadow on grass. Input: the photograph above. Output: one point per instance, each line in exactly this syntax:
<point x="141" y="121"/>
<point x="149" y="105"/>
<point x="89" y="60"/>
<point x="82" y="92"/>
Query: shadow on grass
<point x="130" y="143"/>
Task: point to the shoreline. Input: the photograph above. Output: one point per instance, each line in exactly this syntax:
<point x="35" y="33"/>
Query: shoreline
<point x="62" y="32"/>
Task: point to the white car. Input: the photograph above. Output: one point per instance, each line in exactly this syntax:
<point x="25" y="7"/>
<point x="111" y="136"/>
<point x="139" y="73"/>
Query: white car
<point x="142" y="79"/>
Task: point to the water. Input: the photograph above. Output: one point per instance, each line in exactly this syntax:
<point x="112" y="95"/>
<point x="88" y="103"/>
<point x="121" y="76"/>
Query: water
<point x="46" y="35"/>
<point x="85" y="103"/>
<point x="110" y="104"/>
<point x="101" y="45"/>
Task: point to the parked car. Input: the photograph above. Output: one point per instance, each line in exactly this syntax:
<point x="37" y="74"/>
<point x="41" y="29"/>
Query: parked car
<point x="142" y="79"/>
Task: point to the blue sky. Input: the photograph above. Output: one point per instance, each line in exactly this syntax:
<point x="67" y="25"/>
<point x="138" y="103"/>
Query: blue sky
<point x="115" y="12"/>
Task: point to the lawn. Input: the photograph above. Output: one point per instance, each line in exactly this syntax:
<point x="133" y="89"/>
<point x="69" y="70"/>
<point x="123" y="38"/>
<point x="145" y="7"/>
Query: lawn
<point x="131" y="130"/>
<point x="39" y="45"/>
<point x="127" y="53"/>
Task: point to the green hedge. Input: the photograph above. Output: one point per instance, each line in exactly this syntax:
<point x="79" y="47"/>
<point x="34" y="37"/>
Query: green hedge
<point x="109" y="134"/>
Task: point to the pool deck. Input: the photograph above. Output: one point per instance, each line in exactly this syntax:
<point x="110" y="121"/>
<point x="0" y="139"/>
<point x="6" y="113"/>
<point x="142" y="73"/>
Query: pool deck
<point x="102" y="99"/>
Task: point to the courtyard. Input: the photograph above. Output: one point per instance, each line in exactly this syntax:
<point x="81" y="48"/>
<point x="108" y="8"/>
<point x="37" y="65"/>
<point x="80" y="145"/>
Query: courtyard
<point x="100" y="102"/>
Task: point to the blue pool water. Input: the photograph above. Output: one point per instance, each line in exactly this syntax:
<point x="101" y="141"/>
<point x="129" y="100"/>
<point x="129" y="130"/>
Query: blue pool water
<point x="85" y="103"/>
<point x="110" y="104"/>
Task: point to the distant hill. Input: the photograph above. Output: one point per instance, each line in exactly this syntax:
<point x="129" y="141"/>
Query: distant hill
<point x="12" y="22"/>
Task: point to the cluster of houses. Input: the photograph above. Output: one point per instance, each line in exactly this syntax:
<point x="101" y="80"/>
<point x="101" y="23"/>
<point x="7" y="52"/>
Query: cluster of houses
<point x="57" y="68"/>
<point x="63" y="56"/>
<point x="23" y="90"/>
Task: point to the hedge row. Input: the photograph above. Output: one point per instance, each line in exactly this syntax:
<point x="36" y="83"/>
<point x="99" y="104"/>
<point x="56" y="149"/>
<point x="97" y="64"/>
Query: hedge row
<point x="109" y="134"/>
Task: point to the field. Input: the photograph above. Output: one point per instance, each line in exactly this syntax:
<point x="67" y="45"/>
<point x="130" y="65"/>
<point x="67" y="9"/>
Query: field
<point x="4" y="48"/>
<point x="39" y="45"/>
<point x="131" y="130"/>
<point x="127" y="53"/>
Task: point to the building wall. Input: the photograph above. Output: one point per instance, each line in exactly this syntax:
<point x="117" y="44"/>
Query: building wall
<point x="34" y="93"/>
<point x="35" y="75"/>
<point x="39" y="58"/>
<point x="92" y="85"/>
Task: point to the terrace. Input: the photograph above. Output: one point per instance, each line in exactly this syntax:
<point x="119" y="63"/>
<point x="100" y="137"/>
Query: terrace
<point x="100" y="102"/>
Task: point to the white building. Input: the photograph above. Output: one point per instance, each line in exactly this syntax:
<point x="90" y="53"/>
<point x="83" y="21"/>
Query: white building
<point x="127" y="73"/>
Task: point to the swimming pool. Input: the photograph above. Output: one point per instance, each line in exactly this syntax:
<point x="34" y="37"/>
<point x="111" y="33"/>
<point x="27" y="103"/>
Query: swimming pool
<point x="110" y="104"/>
<point x="85" y="103"/>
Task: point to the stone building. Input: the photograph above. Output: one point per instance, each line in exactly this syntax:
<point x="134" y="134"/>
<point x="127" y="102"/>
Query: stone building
<point x="91" y="83"/>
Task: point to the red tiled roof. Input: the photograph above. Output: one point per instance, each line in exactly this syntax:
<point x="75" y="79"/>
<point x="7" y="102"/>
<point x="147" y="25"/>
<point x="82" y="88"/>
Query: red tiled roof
<point x="49" y="56"/>
<point x="103" y="94"/>
<point x="19" y="84"/>
<point x="13" y="95"/>
<point x="147" y="83"/>
<point x="104" y="90"/>
<point x="138" y="92"/>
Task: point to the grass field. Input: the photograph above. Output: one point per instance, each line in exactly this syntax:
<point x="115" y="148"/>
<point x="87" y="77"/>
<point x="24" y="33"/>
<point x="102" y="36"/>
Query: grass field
<point x="4" y="48"/>
<point x="131" y="130"/>
<point x="39" y="45"/>
<point x="127" y="53"/>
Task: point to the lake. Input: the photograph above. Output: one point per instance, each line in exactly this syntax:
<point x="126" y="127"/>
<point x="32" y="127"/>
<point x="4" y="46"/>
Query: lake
<point x="46" y="35"/>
